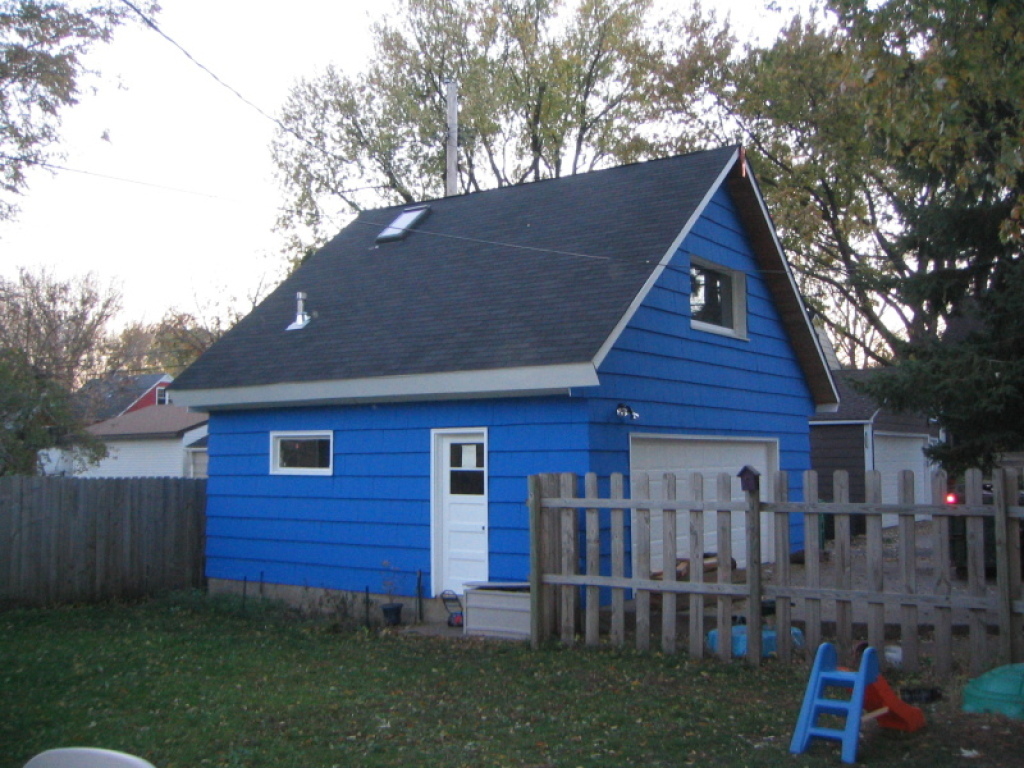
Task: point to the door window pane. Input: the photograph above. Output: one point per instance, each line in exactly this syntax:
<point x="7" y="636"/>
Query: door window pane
<point x="467" y="482"/>
<point x="466" y="477"/>
<point x="467" y="455"/>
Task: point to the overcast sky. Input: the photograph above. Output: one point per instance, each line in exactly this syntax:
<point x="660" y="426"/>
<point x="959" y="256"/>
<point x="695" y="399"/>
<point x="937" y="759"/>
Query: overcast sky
<point x="177" y="201"/>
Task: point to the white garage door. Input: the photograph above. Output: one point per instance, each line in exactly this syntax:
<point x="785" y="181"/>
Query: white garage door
<point x="683" y="456"/>
<point x="895" y="453"/>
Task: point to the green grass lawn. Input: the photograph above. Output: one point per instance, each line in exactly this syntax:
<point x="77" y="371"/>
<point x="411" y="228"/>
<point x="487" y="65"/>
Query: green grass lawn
<point x="191" y="681"/>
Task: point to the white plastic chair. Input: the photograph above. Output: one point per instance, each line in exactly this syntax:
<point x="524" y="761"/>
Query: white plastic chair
<point x="86" y="757"/>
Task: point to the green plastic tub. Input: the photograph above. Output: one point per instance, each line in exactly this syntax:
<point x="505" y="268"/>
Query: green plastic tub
<point x="999" y="690"/>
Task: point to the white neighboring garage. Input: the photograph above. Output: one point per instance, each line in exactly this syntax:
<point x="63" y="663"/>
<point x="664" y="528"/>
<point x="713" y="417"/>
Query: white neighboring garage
<point x="684" y="455"/>
<point x="861" y="436"/>
<point x="152" y="442"/>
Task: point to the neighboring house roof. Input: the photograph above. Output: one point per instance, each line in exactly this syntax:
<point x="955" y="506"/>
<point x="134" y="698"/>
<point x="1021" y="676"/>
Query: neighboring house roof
<point x="109" y="396"/>
<point x="858" y="407"/>
<point x="199" y="445"/>
<point x="521" y="289"/>
<point x="159" y="422"/>
<point x="854" y="405"/>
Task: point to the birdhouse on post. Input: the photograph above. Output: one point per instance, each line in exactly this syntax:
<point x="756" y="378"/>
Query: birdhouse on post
<point x="750" y="479"/>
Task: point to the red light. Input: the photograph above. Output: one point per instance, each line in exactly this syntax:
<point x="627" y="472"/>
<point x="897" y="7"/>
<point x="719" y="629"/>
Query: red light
<point x="951" y="498"/>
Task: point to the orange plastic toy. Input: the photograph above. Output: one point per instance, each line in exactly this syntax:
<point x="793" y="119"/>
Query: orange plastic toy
<point x="899" y="715"/>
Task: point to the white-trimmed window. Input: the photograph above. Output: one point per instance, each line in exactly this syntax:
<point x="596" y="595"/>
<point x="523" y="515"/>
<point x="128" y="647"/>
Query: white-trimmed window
<point x="302" y="453"/>
<point x="718" y="299"/>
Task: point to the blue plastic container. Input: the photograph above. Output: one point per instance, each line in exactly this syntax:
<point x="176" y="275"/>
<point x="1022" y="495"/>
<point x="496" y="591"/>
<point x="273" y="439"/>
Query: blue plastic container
<point x="769" y="641"/>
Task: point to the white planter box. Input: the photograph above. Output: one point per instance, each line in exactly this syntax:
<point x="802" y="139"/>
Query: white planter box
<point x="498" y="609"/>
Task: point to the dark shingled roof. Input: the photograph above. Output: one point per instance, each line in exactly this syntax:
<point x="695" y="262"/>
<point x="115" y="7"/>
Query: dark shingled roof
<point x="532" y="275"/>
<point x="512" y="290"/>
<point x="854" y="405"/>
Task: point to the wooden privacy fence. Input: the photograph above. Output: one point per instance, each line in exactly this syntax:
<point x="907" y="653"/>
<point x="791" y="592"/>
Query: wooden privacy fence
<point x="942" y="582"/>
<point x="70" y="539"/>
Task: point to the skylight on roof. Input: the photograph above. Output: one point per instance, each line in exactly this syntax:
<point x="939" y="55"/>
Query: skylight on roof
<point x="405" y="221"/>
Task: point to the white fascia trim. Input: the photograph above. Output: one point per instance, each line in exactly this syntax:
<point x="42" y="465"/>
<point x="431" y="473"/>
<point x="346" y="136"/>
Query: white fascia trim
<point x="917" y="435"/>
<point x="663" y="264"/>
<point x="830" y="408"/>
<point x="839" y="423"/>
<point x="501" y="382"/>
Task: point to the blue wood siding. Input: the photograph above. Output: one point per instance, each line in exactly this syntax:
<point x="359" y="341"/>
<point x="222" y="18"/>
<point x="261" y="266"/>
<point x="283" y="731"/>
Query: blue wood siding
<point x="338" y="531"/>
<point x="688" y="381"/>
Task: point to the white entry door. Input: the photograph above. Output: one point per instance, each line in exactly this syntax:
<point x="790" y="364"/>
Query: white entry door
<point x="459" y="518"/>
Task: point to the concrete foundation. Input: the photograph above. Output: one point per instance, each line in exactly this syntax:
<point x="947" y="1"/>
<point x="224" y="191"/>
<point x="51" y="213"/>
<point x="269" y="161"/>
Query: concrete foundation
<point x="329" y="602"/>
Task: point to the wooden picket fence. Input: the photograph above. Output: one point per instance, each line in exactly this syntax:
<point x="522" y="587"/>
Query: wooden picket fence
<point x="81" y="540"/>
<point x="893" y="586"/>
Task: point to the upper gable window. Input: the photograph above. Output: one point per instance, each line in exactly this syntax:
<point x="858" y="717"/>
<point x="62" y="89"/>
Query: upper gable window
<point x="161" y="396"/>
<point x="718" y="299"/>
<point x="405" y="221"/>
<point x="301" y="453"/>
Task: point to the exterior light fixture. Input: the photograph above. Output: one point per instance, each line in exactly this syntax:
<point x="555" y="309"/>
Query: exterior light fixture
<point x="624" y="411"/>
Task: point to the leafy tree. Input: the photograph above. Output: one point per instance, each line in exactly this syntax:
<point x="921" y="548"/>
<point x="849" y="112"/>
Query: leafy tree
<point x="545" y="91"/>
<point x="168" y="346"/>
<point x="37" y="414"/>
<point x="944" y="105"/>
<point x="51" y="340"/>
<point x="835" y="199"/>
<point x="889" y="143"/>
<point x="58" y="325"/>
<point x="42" y="43"/>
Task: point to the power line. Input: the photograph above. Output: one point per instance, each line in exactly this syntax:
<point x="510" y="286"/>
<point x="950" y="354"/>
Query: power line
<point x="153" y="25"/>
<point x="276" y="121"/>
<point x="55" y="167"/>
<point x="123" y="180"/>
<point x="480" y="241"/>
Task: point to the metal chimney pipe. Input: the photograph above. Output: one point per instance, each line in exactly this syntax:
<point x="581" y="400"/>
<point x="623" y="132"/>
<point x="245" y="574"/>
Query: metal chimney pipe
<point x="451" y="176"/>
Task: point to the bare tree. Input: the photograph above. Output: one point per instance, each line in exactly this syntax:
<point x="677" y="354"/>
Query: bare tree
<point x="58" y="325"/>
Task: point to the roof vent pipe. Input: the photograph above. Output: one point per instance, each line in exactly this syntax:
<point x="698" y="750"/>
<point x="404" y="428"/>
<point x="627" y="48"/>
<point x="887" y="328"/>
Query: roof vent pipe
<point x="301" y="318"/>
<point x="451" y="176"/>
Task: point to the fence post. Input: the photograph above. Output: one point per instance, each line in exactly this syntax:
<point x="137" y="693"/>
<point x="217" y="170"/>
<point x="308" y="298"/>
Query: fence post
<point x="592" y="631"/>
<point x="1004" y="606"/>
<point x="697" y="565"/>
<point x="752" y="487"/>
<point x="537" y="622"/>
<point x="843" y="557"/>
<point x="669" y="539"/>
<point x="618" y="534"/>
<point x="723" y="537"/>
<point x="943" y="587"/>
<point x="977" y="628"/>
<point x="1013" y="543"/>
<point x="642" y="560"/>
<point x="875" y="562"/>
<point x="782" y="571"/>
<point x="908" y="572"/>
<point x="570" y="560"/>
<point x="812" y="560"/>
